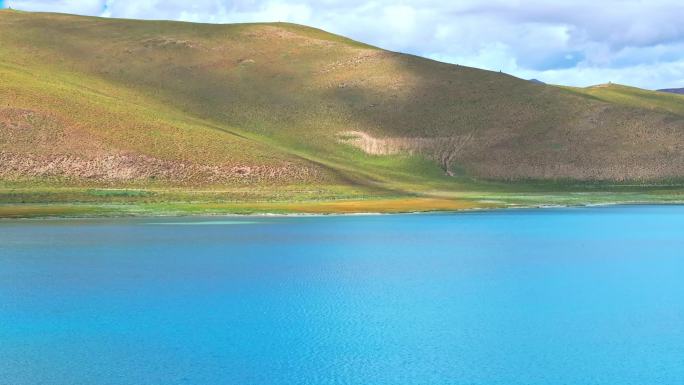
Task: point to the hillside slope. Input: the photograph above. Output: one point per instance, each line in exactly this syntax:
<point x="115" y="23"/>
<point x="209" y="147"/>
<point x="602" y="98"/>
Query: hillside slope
<point x="92" y="101"/>
<point x="679" y="91"/>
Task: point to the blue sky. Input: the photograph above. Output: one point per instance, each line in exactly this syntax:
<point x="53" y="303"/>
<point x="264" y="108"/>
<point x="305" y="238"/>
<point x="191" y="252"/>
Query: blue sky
<point x="573" y="42"/>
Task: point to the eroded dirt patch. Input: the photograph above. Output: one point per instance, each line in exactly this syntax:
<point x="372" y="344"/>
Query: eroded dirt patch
<point x="139" y="168"/>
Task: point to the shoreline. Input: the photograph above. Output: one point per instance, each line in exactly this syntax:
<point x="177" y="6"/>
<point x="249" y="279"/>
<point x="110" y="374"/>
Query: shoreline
<point x="120" y="214"/>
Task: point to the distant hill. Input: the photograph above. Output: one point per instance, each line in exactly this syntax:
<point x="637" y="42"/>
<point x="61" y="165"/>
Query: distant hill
<point x="537" y="81"/>
<point x="673" y="90"/>
<point x="107" y="102"/>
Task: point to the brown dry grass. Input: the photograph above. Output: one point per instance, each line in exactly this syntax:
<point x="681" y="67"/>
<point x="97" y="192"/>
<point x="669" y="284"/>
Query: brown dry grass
<point x="379" y="206"/>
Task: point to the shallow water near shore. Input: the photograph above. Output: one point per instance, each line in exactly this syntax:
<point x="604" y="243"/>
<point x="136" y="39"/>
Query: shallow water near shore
<point x="552" y="296"/>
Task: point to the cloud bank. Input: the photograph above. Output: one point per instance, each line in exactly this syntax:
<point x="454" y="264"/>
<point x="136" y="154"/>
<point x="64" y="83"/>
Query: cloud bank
<point x="573" y="42"/>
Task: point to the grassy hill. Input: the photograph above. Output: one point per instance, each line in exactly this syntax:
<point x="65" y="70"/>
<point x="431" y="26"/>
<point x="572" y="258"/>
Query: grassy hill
<point x="280" y="112"/>
<point x="679" y="91"/>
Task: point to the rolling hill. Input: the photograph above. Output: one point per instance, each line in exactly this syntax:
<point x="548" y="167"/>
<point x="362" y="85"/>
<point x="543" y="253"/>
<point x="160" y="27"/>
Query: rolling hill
<point x="287" y="111"/>
<point x="679" y="91"/>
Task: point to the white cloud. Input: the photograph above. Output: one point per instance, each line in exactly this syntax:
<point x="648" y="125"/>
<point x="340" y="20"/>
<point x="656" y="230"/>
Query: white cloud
<point x="576" y="42"/>
<point x="85" y="7"/>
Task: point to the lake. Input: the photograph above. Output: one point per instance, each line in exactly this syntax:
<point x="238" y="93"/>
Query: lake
<point x="546" y="296"/>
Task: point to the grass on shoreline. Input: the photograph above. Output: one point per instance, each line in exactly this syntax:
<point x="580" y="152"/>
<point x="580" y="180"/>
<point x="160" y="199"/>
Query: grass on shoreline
<point x="33" y="210"/>
<point x="121" y="202"/>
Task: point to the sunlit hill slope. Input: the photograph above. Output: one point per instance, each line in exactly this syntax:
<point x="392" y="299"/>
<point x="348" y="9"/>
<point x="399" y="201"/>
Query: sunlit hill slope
<point x="104" y="102"/>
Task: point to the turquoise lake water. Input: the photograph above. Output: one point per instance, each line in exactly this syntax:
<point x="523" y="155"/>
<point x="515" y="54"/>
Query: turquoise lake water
<point x="552" y="296"/>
